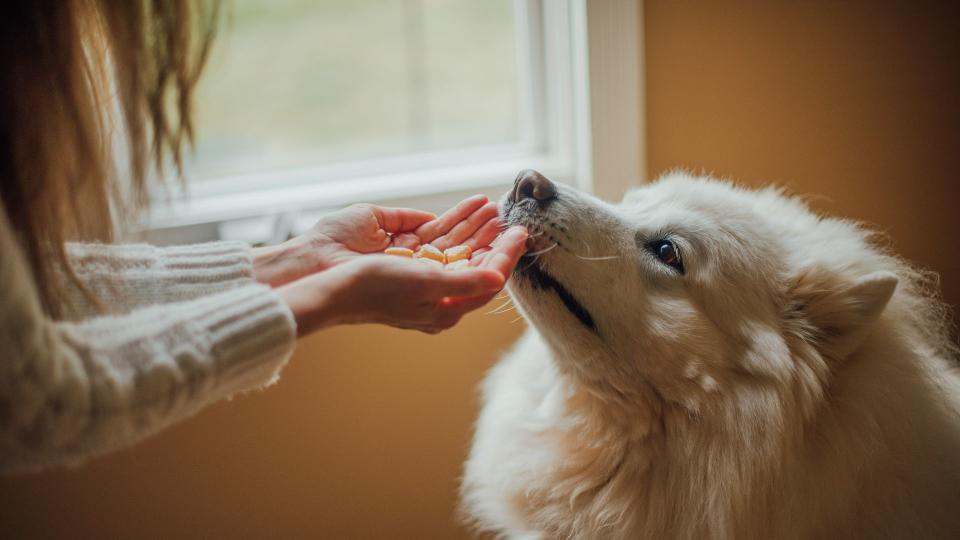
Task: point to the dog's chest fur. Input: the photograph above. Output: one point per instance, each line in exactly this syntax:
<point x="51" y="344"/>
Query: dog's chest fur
<point x="550" y="460"/>
<point x="771" y="375"/>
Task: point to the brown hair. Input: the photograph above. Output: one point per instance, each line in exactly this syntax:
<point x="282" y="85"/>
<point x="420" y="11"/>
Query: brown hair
<point x="72" y="74"/>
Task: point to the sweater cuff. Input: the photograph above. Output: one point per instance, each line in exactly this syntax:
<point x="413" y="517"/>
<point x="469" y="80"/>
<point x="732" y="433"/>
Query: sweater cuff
<point x="200" y="269"/>
<point x="251" y="333"/>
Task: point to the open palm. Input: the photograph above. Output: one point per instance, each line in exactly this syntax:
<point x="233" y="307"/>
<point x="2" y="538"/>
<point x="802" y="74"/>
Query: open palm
<point x="336" y="274"/>
<point x="363" y="228"/>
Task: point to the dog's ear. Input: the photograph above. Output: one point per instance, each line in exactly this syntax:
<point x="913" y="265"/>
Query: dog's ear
<point x="836" y="314"/>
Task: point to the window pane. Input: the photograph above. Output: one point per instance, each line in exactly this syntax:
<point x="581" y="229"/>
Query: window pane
<point x="301" y="82"/>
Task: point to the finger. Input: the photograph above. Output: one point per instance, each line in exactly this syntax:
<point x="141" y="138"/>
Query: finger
<point x="467" y="304"/>
<point x="400" y="220"/>
<point x="466" y="228"/>
<point x="506" y="251"/>
<point x="467" y="282"/>
<point x="486" y="234"/>
<point x="478" y="255"/>
<point x="406" y="240"/>
<point x="446" y="319"/>
<point x="432" y="330"/>
<point x="429" y="231"/>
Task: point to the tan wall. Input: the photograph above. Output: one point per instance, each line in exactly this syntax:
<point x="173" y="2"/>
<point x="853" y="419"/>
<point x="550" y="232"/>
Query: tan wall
<point x="365" y="435"/>
<point x="858" y="102"/>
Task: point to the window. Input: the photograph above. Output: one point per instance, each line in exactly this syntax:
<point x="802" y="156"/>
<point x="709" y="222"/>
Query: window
<point x="300" y="83"/>
<point x="308" y="106"/>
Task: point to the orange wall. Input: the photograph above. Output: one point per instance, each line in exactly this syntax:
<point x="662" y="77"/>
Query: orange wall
<point x="858" y="102"/>
<point x="365" y="434"/>
<point x="364" y="437"/>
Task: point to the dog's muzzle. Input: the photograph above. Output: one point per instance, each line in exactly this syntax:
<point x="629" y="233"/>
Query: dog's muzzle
<point x="531" y="185"/>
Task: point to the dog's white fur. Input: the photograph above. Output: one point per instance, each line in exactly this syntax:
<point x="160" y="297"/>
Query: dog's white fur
<point x="797" y="382"/>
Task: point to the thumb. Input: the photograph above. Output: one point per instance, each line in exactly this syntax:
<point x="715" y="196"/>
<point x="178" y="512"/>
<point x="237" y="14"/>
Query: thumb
<point x="468" y="282"/>
<point x="506" y="251"/>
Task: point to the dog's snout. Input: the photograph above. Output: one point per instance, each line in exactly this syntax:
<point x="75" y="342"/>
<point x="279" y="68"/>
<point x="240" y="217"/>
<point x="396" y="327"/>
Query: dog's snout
<point x="532" y="185"/>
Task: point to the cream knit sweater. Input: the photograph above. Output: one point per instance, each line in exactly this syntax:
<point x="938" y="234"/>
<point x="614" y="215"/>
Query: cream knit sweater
<point x="188" y="326"/>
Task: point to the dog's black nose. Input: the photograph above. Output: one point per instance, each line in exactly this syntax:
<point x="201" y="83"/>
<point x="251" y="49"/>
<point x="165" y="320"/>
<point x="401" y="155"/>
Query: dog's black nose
<point x="532" y="185"/>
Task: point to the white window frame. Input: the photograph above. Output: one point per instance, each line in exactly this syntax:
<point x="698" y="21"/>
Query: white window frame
<point x="583" y="56"/>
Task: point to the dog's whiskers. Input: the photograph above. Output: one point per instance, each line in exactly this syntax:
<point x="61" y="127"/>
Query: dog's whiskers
<point x="502" y="308"/>
<point x="606" y="258"/>
<point x="588" y="257"/>
<point x="542" y="251"/>
<point x="532" y="262"/>
<point x="535" y="255"/>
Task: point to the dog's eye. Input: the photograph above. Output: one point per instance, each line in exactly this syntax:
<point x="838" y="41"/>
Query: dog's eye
<point x="668" y="253"/>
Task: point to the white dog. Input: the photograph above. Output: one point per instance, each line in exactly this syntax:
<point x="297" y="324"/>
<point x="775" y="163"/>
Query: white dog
<point x="713" y="362"/>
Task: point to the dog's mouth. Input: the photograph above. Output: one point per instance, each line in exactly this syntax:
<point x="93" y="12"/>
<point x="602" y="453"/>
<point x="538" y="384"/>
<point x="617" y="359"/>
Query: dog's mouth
<point x="541" y="280"/>
<point x="528" y="212"/>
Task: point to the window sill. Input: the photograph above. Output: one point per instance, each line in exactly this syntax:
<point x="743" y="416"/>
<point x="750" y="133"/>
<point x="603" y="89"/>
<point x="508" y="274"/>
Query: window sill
<point x="274" y="213"/>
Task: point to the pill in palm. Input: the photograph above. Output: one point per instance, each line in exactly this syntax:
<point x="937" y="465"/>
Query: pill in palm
<point x="453" y="258"/>
<point x="431" y="262"/>
<point x="458" y="253"/>
<point x="399" y="251"/>
<point x="428" y="251"/>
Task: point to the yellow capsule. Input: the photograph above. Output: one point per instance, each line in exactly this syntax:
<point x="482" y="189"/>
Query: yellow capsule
<point x="399" y="251"/>
<point x="427" y="251"/>
<point x="458" y="253"/>
<point x="457" y="265"/>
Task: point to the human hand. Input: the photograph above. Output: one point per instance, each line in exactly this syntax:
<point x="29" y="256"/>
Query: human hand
<point x="364" y="228"/>
<point x="402" y="292"/>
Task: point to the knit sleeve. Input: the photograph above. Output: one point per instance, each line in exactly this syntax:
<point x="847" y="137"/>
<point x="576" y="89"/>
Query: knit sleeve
<point x="127" y="276"/>
<point x="72" y="390"/>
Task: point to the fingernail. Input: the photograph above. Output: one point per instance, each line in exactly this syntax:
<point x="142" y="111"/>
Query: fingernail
<point x="495" y="282"/>
<point x="518" y="232"/>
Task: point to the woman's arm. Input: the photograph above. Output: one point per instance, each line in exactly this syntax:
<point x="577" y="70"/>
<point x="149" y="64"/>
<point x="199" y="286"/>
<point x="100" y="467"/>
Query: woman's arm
<point x="71" y="390"/>
<point x="127" y="276"/>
